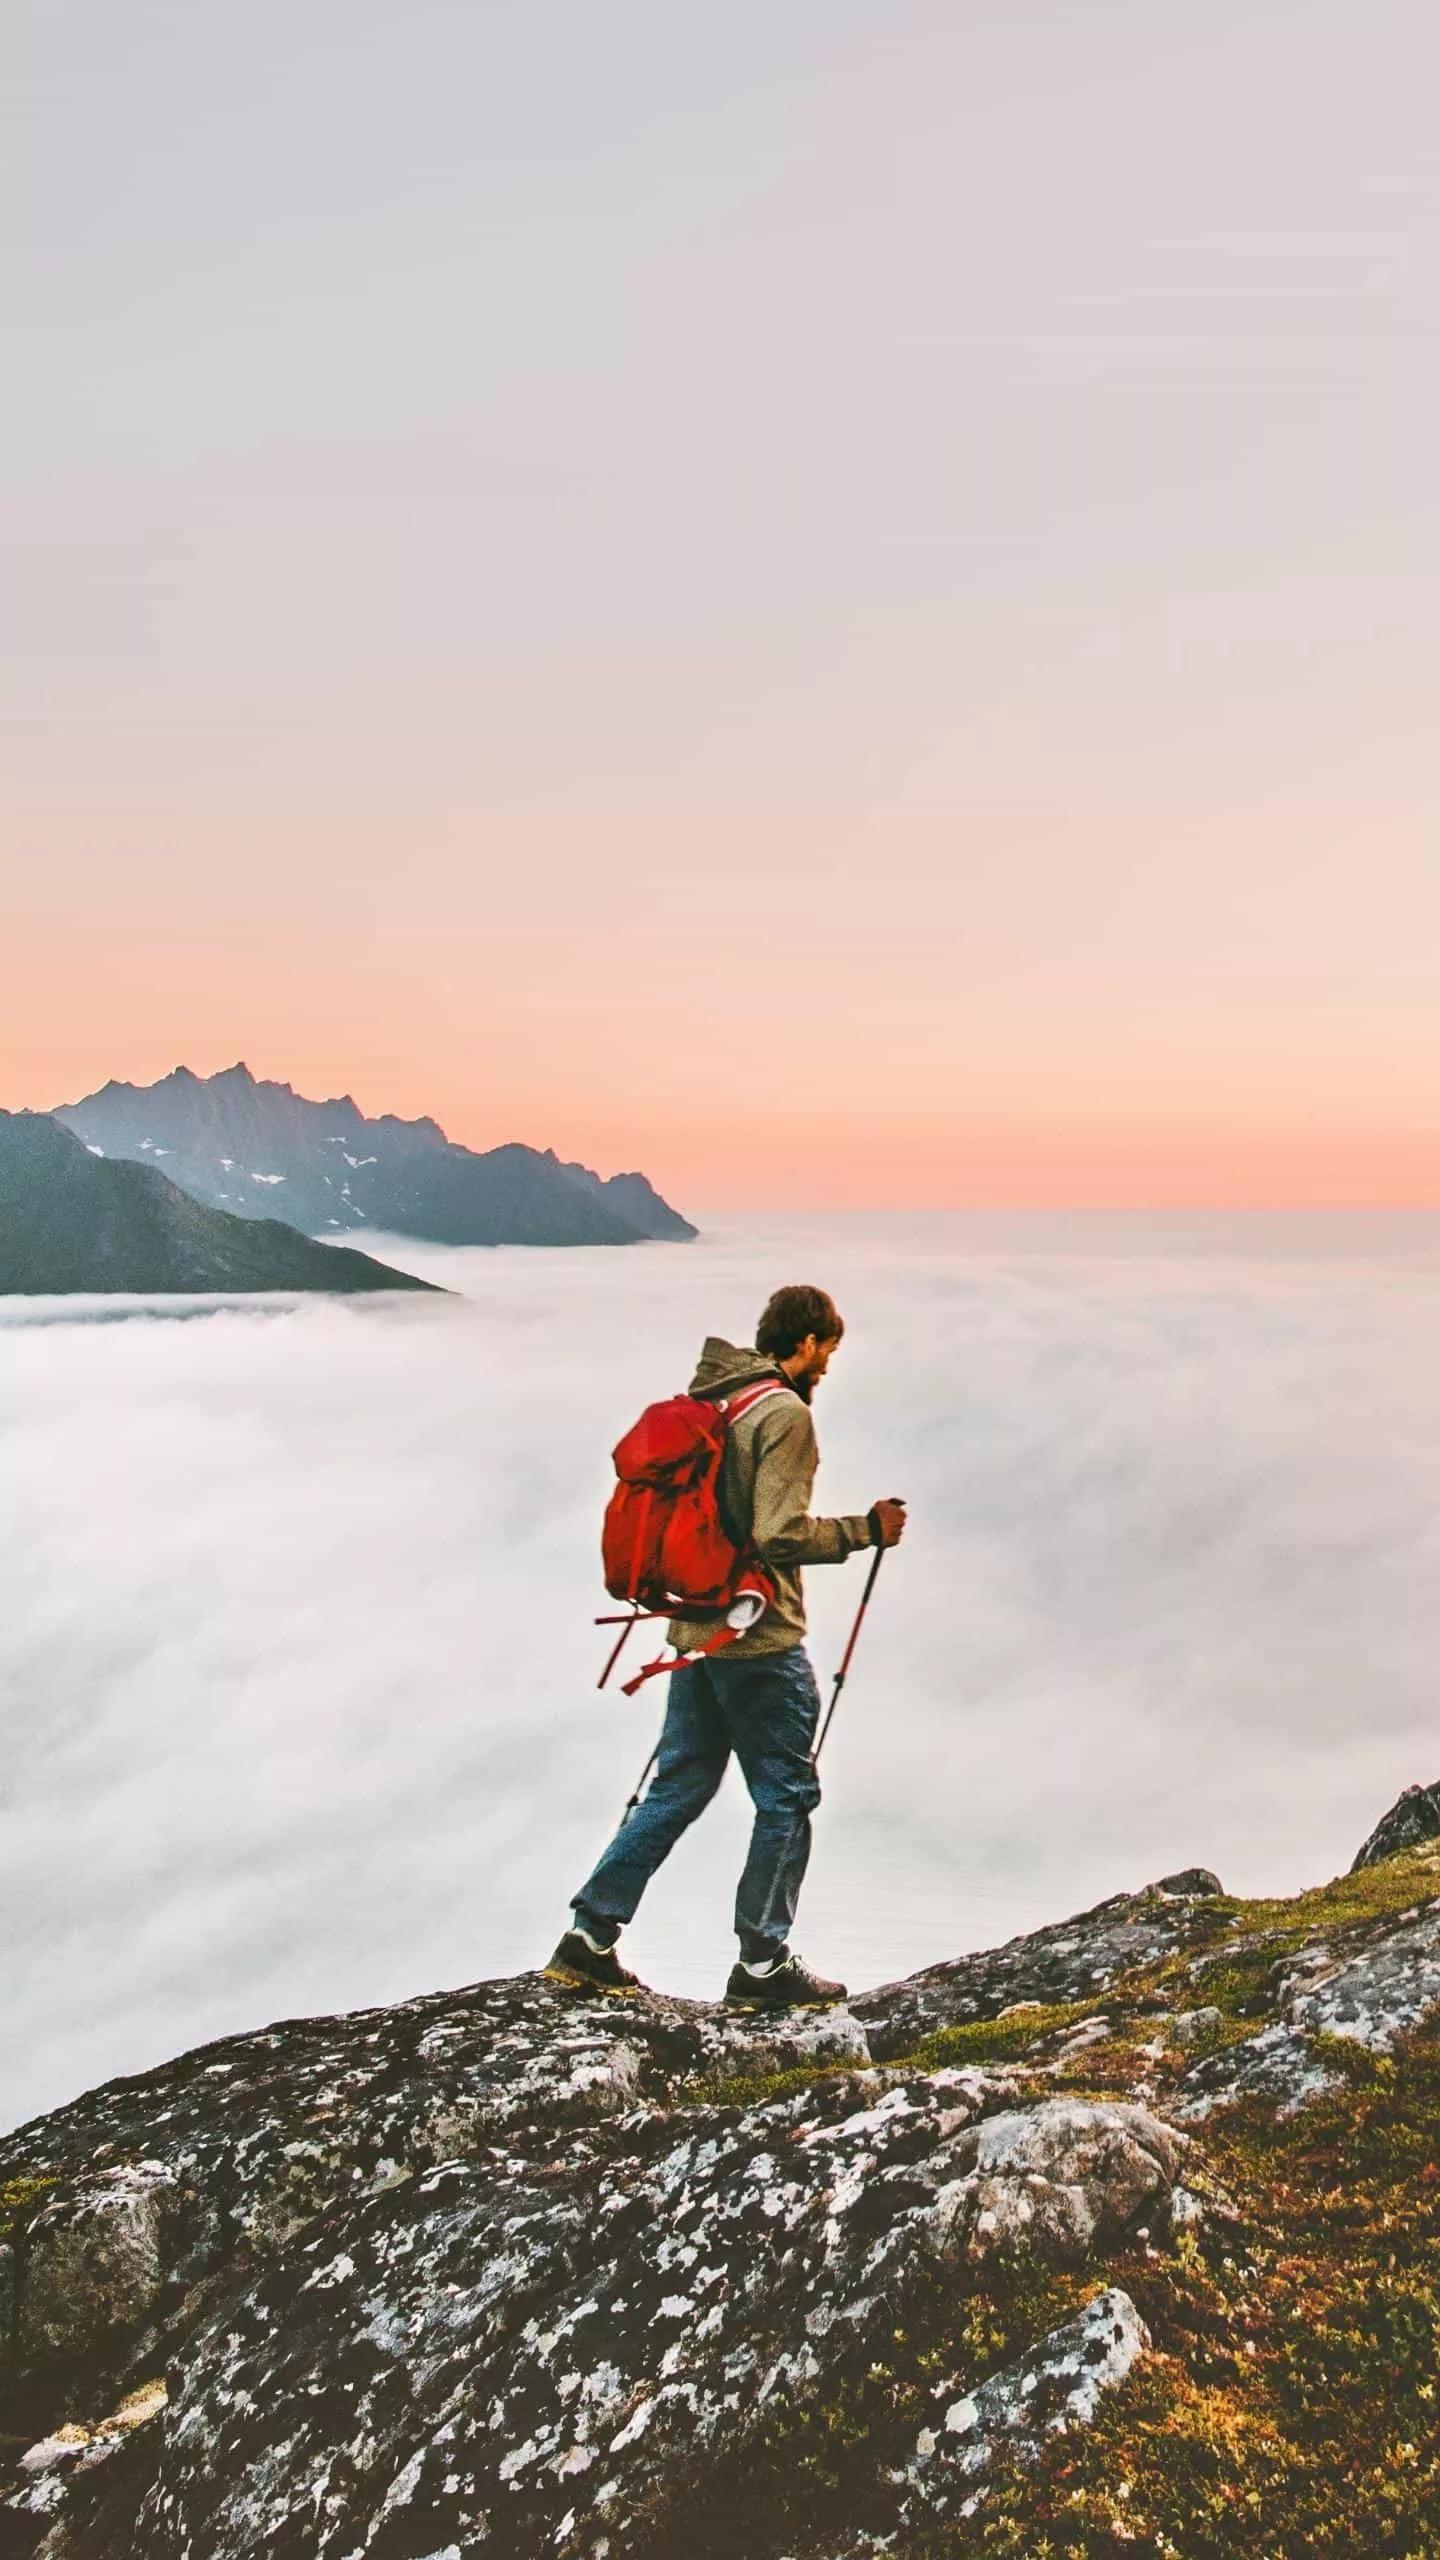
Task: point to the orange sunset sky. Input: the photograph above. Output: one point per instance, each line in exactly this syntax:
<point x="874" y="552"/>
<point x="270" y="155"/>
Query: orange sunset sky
<point x="839" y="605"/>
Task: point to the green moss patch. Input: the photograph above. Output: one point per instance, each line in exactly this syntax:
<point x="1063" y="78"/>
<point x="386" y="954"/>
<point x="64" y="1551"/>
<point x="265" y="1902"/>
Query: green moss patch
<point x="1372" y="1893"/>
<point x="763" y="2088"/>
<point x="995" y="2039"/>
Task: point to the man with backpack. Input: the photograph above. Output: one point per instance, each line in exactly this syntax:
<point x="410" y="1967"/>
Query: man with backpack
<point x="753" y="1693"/>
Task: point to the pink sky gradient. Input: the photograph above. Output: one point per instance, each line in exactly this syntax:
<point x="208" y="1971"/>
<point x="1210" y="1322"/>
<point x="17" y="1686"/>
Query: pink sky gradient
<point x="846" y="616"/>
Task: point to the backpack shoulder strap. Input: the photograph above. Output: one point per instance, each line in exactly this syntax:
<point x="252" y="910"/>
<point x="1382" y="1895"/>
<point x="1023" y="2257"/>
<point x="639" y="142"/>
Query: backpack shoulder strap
<point x="745" y="1399"/>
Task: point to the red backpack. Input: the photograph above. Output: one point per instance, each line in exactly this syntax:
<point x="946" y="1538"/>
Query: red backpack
<point x="666" y="1549"/>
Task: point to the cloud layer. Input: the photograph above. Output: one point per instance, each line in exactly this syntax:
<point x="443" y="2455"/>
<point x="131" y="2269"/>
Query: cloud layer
<point x="296" y="1663"/>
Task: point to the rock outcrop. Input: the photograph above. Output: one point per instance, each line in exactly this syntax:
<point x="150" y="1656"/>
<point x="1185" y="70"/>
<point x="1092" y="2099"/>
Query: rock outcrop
<point x="510" y="2270"/>
<point x="1412" y="1820"/>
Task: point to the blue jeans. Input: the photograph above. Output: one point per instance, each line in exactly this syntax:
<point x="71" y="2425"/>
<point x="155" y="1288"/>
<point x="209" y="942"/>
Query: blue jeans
<point x="765" y="1711"/>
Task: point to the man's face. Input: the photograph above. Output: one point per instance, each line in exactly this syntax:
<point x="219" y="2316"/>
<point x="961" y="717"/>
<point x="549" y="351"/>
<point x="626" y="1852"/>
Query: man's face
<point x="815" y="1355"/>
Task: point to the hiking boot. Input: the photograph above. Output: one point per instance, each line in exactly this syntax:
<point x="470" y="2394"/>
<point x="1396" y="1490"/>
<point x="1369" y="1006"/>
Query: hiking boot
<point x="790" y="1984"/>
<point x="582" y="1967"/>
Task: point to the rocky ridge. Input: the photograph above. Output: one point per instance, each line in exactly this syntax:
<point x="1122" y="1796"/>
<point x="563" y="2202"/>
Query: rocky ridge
<point x="257" y="1149"/>
<point x="509" y="2270"/>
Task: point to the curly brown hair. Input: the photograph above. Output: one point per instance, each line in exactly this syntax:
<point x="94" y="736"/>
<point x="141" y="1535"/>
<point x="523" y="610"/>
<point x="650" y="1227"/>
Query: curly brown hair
<point x="791" y="1314"/>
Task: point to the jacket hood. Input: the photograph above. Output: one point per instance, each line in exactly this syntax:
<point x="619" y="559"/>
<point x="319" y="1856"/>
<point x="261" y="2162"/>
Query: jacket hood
<point x="723" y="1366"/>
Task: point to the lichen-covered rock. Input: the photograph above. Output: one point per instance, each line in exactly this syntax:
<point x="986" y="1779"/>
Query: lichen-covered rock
<point x="528" y="2350"/>
<point x="1193" y="2026"/>
<point x="1386" y="1980"/>
<point x="1055" y="2386"/>
<point x="1061" y="2180"/>
<point x="244" y="2143"/>
<point x="1190" y="1884"/>
<point x="1411" y="1820"/>
<point x="95" y="2263"/>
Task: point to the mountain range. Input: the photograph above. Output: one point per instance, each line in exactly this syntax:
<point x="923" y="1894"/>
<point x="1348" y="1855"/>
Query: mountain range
<point x="71" y="1221"/>
<point x="258" y="1149"/>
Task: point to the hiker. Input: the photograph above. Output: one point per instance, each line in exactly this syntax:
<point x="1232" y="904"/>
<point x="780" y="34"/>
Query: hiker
<point x="757" y="1697"/>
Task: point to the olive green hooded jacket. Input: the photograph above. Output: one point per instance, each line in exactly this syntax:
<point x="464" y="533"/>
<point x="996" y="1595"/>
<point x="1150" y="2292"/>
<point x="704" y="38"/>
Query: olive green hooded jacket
<point x="766" y="1479"/>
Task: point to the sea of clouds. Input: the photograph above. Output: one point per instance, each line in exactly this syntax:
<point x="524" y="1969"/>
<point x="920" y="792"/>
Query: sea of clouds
<point x="297" y="1705"/>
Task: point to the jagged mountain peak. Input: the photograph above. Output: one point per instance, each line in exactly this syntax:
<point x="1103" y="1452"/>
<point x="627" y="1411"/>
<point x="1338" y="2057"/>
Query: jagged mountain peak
<point x="257" y="1148"/>
<point x="424" y="1127"/>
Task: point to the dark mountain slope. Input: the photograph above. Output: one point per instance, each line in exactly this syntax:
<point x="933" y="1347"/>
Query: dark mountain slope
<point x="259" y="1149"/>
<point x="72" y="1222"/>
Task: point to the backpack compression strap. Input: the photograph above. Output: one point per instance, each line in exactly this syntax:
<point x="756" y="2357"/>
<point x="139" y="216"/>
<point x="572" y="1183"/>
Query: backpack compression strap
<point x="725" y="1634"/>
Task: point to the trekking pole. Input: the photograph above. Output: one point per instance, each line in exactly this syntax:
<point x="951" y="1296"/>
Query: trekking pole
<point x="870" y="1580"/>
<point x="633" y="1798"/>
